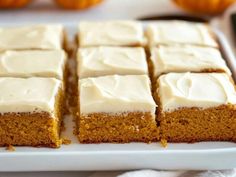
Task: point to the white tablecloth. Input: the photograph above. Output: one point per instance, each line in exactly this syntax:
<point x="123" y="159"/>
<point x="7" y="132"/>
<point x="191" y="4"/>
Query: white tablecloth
<point x="138" y="173"/>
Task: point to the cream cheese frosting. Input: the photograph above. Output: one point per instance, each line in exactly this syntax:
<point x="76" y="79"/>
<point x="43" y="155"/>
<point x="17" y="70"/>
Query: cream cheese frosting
<point x="49" y="63"/>
<point x="202" y="90"/>
<point x="28" y="95"/>
<point x="100" y="61"/>
<point x="116" y="94"/>
<point x="111" y="33"/>
<point x="186" y="58"/>
<point x="180" y="32"/>
<point x="48" y="36"/>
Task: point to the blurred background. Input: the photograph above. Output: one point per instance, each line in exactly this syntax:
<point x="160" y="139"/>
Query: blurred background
<point x="50" y="11"/>
<point x="70" y="12"/>
<point x="73" y="10"/>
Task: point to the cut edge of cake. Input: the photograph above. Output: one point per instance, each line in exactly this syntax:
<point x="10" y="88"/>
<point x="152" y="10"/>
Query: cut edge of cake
<point x="126" y="126"/>
<point x="197" y="123"/>
<point x="32" y="123"/>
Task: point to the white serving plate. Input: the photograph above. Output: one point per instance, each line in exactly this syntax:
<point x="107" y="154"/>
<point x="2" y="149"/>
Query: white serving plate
<point x="197" y="156"/>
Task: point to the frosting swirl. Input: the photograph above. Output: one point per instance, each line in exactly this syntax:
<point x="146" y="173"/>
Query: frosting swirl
<point x="118" y="33"/>
<point x="203" y="90"/>
<point x="100" y="61"/>
<point x="180" y="32"/>
<point x="116" y="94"/>
<point x="186" y="58"/>
<point x="31" y="37"/>
<point x="49" y="63"/>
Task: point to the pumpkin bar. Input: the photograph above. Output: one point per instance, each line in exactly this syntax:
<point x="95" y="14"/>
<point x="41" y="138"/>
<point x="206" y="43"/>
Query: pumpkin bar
<point x="29" y="63"/>
<point x="32" y="37"/>
<point x="30" y="111"/>
<point x="180" y="32"/>
<point x="197" y="107"/>
<point x="101" y="61"/>
<point x="116" y="109"/>
<point x="186" y="58"/>
<point x="110" y="33"/>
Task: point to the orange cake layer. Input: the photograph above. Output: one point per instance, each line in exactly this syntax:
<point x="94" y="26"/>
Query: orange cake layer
<point x="196" y="107"/>
<point x="27" y="129"/>
<point x="32" y="114"/>
<point x="195" y="124"/>
<point x="120" y="128"/>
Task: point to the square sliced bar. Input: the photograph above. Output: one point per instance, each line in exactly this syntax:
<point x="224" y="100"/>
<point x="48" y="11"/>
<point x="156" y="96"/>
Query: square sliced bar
<point x="180" y="32"/>
<point x="110" y="33"/>
<point x="32" y="37"/>
<point x="101" y="61"/>
<point x="197" y="107"/>
<point x="116" y="109"/>
<point x="30" y="63"/>
<point x="186" y="58"/>
<point x="30" y="111"/>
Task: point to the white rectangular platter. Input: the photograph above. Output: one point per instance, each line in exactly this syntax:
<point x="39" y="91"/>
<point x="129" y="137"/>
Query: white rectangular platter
<point x="197" y="156"/>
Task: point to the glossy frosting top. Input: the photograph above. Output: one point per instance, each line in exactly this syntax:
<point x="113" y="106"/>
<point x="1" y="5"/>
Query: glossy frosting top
<point x="180" y="32"/>
<point x="186" y="58"/>
<point x="31" y="37"/>
<point x="100" y="61"/>
<point x="110" y="33"/>
<point x="28" y="63"/>
<point x="28" y="95"/>
<point x="116" y="94"/>
<point x="202" y="90"/>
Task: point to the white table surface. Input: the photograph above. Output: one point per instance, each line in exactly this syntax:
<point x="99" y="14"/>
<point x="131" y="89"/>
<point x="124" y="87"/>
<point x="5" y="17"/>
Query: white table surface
<point x="41" y="11"/>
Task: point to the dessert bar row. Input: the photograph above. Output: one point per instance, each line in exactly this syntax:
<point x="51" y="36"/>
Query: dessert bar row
<point x="110" y="33"/>
<point x="121" y="69"/>
<point x="189" y="107"/>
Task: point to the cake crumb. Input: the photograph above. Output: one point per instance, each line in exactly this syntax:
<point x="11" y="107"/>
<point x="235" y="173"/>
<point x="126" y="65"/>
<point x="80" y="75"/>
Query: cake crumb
<point x="75" y="132"/>
<point x="63" y="128"/>
<point x="10" y="148"/>
<point x="164" y="143"/>
<point x="66" y="141"/>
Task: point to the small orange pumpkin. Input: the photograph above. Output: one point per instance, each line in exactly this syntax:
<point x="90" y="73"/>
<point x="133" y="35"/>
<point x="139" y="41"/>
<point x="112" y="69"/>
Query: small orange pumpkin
<point x="13" y="3"/>
<point x="210" y="7"/>
<point x="77" y="4"/>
